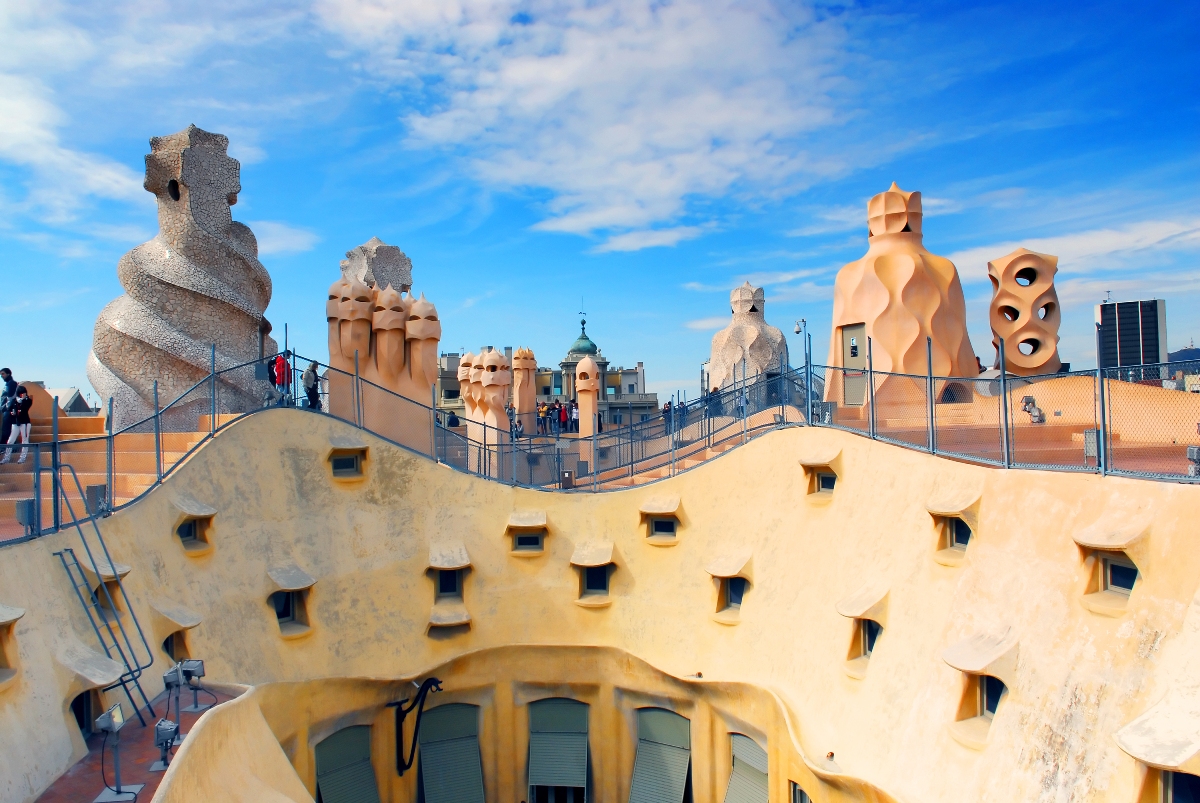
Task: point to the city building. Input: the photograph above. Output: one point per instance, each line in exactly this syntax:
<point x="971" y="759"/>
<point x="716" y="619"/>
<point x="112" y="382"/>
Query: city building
<point x="624" y="399"/>
<point x="1132" y="333"/>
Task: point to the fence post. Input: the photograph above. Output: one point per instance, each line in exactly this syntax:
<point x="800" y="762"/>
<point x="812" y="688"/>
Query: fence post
<point x="433" y="422"/>
<point x="212" y="390"/>
<point x="1004" y="441"/>
<point x="808" y="401"/>
<point x="870" y="390"/>
<point x="595" y="453"/>
<point x="929" y="393"/>
<point x="1102" y="435"/>
<point x="37" y="488"/>
<point x="108" y="469"/>
<point x="54" y="486"/>
<point x="157" y="435"/>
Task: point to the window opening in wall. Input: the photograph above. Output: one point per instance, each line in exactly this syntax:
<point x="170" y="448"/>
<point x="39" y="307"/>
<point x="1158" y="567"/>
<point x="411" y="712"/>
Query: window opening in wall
<point x="990" y="691"/>
<point x="529" y="541"/>
<point x="8" y="668"/>
<point x="1179" y="787"/>
<point x="868" y="630"/>
<point x="285" y="606"/>
<point x="748" y="779"/>
<point x="558" y="751"/>
<point x="1119" y="574"/>
<point x="449" y="583"/>
<point x="733" y="591"/>
<point x="662" y="763"/>
<point x="958" y="533"/>
<point x="663" y="527"/>
<point x="826" y="481"/>
<point x="193" y="533"/>
<point x="346" y="464"/>
<point x="107" y="597"/>
<point x="798" y="794"/>
<point x="84" y="707"/>
<point x="595" y="580"/>
<point x="175" y="646"/>
<point x="449" y="768"/>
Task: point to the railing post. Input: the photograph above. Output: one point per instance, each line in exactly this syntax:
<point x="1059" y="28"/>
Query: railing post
<point x="433" y="421"/>
<point x="808" y="400"/>
<point x="1102" y="435"/>
<point x="595" y="453"/>
<point x="37" y="488"/>
<point x="157" y="435"/>
<point x="56" y="519"/>
<point x="212" y="391"/>
<point x="108" y="470"/>
<point x="870" y="390"/>
<point x="929" y="394"/>
<point x="1004" y="441"/>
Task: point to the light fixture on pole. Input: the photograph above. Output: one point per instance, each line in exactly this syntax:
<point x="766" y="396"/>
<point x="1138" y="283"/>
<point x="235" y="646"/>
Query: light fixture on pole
<point x="111" y="722"/>
<point x="165" y="732"/>
<point x="173" y="680"/>
<point x="193" y="669"/>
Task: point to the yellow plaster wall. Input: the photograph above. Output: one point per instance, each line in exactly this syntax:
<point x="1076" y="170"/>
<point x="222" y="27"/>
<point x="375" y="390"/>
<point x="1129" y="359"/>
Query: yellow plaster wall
<point x="1079" y="676"/>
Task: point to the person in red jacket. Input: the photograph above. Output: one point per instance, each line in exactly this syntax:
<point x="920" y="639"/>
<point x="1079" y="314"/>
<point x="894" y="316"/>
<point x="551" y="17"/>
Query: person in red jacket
<point x="283" y="375"/>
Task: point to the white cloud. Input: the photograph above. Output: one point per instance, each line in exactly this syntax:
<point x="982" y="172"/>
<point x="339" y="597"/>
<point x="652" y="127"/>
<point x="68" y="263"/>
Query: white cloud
<point x="708" y="324"/>
<point x="280" y="238"/>
<point x="1087" y="251"/>
<point x="700" y="287"/>
<point x="624" y="110"/>
<point x="650" y="238"/>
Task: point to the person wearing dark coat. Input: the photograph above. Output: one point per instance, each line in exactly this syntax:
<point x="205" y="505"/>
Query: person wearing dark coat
<point x="19" y="409"/>
<point x="7" y="394"/>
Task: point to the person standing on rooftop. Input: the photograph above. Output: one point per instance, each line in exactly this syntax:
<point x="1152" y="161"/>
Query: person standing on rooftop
<point x="8" y="393"/>
<point x="19" y="408"/>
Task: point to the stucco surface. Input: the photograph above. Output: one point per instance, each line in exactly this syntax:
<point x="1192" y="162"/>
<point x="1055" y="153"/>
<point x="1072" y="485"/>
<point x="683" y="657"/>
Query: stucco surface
<point x="1078" y="679"/>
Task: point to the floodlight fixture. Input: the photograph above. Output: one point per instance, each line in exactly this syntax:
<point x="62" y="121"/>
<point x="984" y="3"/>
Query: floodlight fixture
<point x="110" y="723"/>
<point x="173" y="677"/>
<point x="165" y="732"/>
<point x="193" y="669"/>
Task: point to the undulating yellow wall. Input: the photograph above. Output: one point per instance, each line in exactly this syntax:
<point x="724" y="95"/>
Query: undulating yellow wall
<point x="1079" y="676"/>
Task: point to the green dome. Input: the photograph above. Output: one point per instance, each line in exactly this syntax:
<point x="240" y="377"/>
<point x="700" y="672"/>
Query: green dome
<point x="583" y="344"/>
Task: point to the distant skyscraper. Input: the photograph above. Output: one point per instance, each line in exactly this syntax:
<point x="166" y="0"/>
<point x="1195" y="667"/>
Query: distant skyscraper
<point x="1132" y="333"/>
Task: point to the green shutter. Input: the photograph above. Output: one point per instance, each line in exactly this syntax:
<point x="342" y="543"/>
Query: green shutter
<point x="344" y="771"/>
<point x="665" y="727"/>
<point x="558" y="759"/>
<point x="748" y="780"/>
<point x="659" y="773"/>
<point x="451" y="769"/>
<point x="558" y="743"/>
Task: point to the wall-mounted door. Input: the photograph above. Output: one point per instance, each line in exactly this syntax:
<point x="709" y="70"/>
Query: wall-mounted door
<point x="854" y="359"/>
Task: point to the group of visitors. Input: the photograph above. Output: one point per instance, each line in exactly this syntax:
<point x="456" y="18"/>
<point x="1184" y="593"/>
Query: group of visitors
<point x="15" y="405"/>
<point x="279" y="374"/>
<point x="557" y="417"/>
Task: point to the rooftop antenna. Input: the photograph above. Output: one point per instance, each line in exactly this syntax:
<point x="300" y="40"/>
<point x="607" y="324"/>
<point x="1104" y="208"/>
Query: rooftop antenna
<point x="1108" y="297"/>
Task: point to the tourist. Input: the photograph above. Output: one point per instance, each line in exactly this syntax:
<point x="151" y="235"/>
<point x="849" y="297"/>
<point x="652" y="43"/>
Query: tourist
<point x="7" y="395"/>
<point x="564" y="418"/>
<point x="312" y="386"/>
<point x="512" y="414"/>
<point x="541" y="419"/>
<point x="283" y="376"/>
<point x="519" y="428"/>
<point x="452" y="421"/>
<point x="667" y="417"/>
<point x="19" y="409"/>
<point x="574" y="416"/>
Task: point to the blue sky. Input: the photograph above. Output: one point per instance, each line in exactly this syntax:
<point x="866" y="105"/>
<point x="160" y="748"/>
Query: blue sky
<point x="645" y="157"/>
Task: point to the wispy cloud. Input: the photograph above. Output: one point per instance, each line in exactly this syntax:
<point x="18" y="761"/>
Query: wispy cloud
<point x="700" y="287"/>
<point x="276" y="238"/>
<point x="1093" y="250"/>
<point x="623" y="110"/>
<point x="708" y="324"/>
<point x="42" y="301"/>
<point x="650" y="238"/>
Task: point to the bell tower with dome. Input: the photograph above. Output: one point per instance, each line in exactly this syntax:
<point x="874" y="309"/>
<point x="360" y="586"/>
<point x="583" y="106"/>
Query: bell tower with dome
<point x="582" y="347"/>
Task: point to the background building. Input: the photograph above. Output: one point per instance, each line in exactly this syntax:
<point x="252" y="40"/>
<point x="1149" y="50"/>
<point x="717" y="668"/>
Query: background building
<point x="1132" y="333"/>
<point x="624" y="399"/>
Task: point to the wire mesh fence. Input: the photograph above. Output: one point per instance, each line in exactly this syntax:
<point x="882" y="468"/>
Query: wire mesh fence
<point x="1142" y="421"/>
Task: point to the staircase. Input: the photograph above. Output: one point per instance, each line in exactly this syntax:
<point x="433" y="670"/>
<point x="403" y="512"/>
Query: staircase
<point x="107" y="606"/>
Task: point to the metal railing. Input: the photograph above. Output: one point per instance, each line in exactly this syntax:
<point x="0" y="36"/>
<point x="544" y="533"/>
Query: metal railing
<point x="1138" y="422"/>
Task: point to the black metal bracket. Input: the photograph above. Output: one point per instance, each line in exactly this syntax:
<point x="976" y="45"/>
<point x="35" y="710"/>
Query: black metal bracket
<point x="403" y="709"/>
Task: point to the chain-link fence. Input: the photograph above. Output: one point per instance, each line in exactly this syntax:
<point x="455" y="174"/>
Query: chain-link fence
<point x="1153" y="420"/>
<point x="1054" y="421"/>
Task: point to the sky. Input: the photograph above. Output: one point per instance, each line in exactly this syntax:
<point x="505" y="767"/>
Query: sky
<point x="631" y="160"/>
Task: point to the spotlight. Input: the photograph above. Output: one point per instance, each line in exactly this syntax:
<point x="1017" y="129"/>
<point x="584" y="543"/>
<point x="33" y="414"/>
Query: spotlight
<point x="173" y="679"/>
<point x="111" y="722"/>
<point x="193" y="669"/>
<point x="165" y="732"/>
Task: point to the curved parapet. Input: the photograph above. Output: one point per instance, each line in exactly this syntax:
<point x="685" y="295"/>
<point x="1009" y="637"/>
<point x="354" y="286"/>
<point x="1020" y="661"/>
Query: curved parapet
<point x="198" y="285"/>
